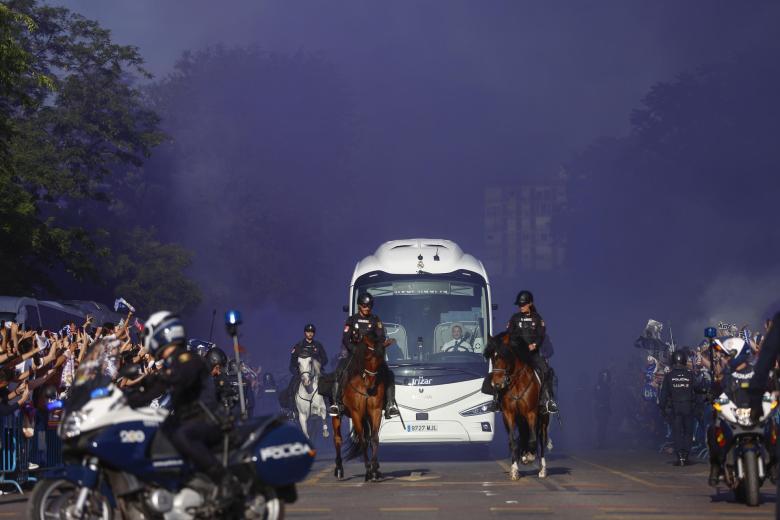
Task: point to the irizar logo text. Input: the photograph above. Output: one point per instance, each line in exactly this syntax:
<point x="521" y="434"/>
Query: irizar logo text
<point x="283" y="451"/>
<point x="417" y="381"/>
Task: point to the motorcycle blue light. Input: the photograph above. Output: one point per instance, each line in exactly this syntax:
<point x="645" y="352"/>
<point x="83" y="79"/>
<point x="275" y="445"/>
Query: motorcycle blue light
<point x="232" y="317"/>
<point x="98" y="393"/>
<point x="710" y="332"/>
<point x="54" y="405"/>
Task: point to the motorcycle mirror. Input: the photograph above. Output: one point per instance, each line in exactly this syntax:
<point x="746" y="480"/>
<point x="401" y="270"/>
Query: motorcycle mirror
<point x="710" y="332"/>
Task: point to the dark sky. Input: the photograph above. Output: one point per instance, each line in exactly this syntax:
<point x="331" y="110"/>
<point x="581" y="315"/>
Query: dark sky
<point x="450" y="95"/>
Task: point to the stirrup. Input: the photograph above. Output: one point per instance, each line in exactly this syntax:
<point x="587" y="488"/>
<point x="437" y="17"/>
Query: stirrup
<point x="334" y="410"/>
<point x="391" y="412"/>
<point x="550" y="407"/>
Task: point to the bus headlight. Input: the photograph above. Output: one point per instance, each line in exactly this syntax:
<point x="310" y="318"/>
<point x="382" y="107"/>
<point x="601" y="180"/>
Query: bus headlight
<point x="478" y="410"/>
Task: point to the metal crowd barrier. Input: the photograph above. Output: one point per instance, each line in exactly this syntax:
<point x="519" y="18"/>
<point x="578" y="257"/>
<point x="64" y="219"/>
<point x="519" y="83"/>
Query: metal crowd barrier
<point x="17" y="453"/>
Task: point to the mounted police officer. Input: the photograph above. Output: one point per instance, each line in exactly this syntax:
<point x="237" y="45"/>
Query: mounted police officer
<point x="357" y="326"/>
<point x="307" y="347"/>
<point x="676" y="400"/>
<point x="193" y="426"/>
<point x="528" y="326"/>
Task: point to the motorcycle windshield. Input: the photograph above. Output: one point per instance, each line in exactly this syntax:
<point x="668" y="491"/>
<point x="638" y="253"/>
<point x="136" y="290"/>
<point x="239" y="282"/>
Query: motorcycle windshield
<point x="96" y="370"/>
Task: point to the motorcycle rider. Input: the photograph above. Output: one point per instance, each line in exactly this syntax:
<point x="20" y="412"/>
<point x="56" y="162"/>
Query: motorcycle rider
<point x="226" y="393"/>
<point x="528" y="326"/>
<point x="676" y="400"/>
<point x="307" y="347"/>
<point x="759" y="383"/>
<point x="192" y="427"/>
<point x="357" y="326"/>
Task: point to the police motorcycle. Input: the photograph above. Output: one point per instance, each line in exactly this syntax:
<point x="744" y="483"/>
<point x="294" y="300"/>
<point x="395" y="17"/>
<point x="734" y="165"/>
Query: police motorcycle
<point x="118" y="461"/>
<point x="745" y="448"/>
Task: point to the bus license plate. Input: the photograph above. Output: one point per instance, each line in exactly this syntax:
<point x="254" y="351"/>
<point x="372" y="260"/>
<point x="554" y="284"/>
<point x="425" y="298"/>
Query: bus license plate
<point x="422" y="427"/>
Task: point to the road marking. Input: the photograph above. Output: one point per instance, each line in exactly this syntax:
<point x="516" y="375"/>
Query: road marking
<point x="410" y="509"/>
<point x="629" y="509"/>
<point x="308" y="510"/>
<point x="316" y="478"/>
<point x="620" y="473"/>
<point x="521" y="509"/>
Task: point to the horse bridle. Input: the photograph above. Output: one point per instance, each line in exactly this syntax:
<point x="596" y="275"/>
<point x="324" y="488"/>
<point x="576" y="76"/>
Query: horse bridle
<point x="507" y="374"/>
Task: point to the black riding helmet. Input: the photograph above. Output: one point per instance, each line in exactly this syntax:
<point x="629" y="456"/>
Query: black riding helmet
<point x="524" y="298"/>
<point x="679" y="357"/>
<point x="366" y="299"/>
<point x="310" y="328"/>
<point x="216" y="356"/>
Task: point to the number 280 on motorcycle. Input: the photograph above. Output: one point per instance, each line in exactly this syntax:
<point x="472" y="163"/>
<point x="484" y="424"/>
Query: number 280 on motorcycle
<point x="131" y="436"/>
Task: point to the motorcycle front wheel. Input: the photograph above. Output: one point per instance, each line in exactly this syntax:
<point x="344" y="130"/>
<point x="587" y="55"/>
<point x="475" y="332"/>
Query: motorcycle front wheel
<point x="751" y="483"/>
<point x="55" y="498"/>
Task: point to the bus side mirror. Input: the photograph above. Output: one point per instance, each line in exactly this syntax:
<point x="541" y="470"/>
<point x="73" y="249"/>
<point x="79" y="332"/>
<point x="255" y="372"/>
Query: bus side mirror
<point x="345" y="308"/>
<point x="494" y="306"/>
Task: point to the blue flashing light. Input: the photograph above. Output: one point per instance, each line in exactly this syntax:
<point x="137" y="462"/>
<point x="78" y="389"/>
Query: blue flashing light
<point x="232" y="317"/>
<point x="99" y="393"/>
<point x="54" y="405"/>
<point x="710" y="332"/>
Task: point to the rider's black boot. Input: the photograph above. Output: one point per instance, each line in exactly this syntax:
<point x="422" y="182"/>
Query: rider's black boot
<point x="335" y="409"/>
<point x="391" y="409"/>
<point x="549" y="405"/>
<point x="714" y="474"/>
<point x="496" y="402"/>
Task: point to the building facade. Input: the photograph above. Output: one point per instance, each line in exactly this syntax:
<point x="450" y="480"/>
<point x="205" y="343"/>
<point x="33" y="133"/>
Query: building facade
<point x="524" y="228"/>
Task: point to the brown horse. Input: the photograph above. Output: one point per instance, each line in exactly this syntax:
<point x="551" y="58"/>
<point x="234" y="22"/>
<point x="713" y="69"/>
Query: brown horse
<point x="363" y="399"/>
<point x="519" y="388"/>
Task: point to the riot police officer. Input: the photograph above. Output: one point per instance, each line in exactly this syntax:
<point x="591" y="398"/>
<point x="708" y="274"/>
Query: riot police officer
<point x="193" y="426"/>
<point x="357" y="326"/>
<point x="528" y="326"/>
<point x="307" y="347"/>
<point x="676" y="400"/>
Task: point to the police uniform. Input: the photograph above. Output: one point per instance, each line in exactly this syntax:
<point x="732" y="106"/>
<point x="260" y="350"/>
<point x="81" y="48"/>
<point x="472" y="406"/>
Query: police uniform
<point x="227" y="393"/>
<point x="303" y="348"/>
<point x="356" y="327"/>
<point x="760" y="382"/>
<point x="529" y="328"/>
<point x="677" y="398"/>
<point x="193" y="425"/>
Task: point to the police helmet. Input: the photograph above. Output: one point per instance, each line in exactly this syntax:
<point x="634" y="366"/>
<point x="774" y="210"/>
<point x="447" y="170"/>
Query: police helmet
<point x="216" y="356"/>
<point x="524" y="298"/>
<point x="679" y="357"/>
<point x="163" y="328"/>
<point x="366" y="299"/>
<point x="310" y="328"/>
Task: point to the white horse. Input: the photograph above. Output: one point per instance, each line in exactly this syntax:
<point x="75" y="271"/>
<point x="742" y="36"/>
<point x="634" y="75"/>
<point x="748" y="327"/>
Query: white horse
<point x="308" y="402"/>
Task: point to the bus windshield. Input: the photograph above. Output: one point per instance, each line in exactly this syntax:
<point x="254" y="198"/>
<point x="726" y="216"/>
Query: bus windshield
<point x="434" y="319"/>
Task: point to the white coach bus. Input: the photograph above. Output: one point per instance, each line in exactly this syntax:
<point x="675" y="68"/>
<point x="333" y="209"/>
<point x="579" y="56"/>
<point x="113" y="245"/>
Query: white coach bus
<point x="434" y="301"/>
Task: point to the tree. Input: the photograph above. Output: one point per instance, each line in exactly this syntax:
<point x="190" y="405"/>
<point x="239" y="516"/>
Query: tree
<point x="79" y="130"/>
<point x="260" y="138"/>
<point x="692" y="187"/>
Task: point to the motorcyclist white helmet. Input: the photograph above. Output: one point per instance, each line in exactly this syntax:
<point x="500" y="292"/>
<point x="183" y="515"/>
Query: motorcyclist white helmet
<point x="161" y="329"/>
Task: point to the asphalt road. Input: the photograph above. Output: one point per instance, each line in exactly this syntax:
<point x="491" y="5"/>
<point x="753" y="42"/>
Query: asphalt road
<point x="428" y="483"/>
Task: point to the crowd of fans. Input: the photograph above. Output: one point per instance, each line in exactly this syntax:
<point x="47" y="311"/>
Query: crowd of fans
<point x="39" y="366"/>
